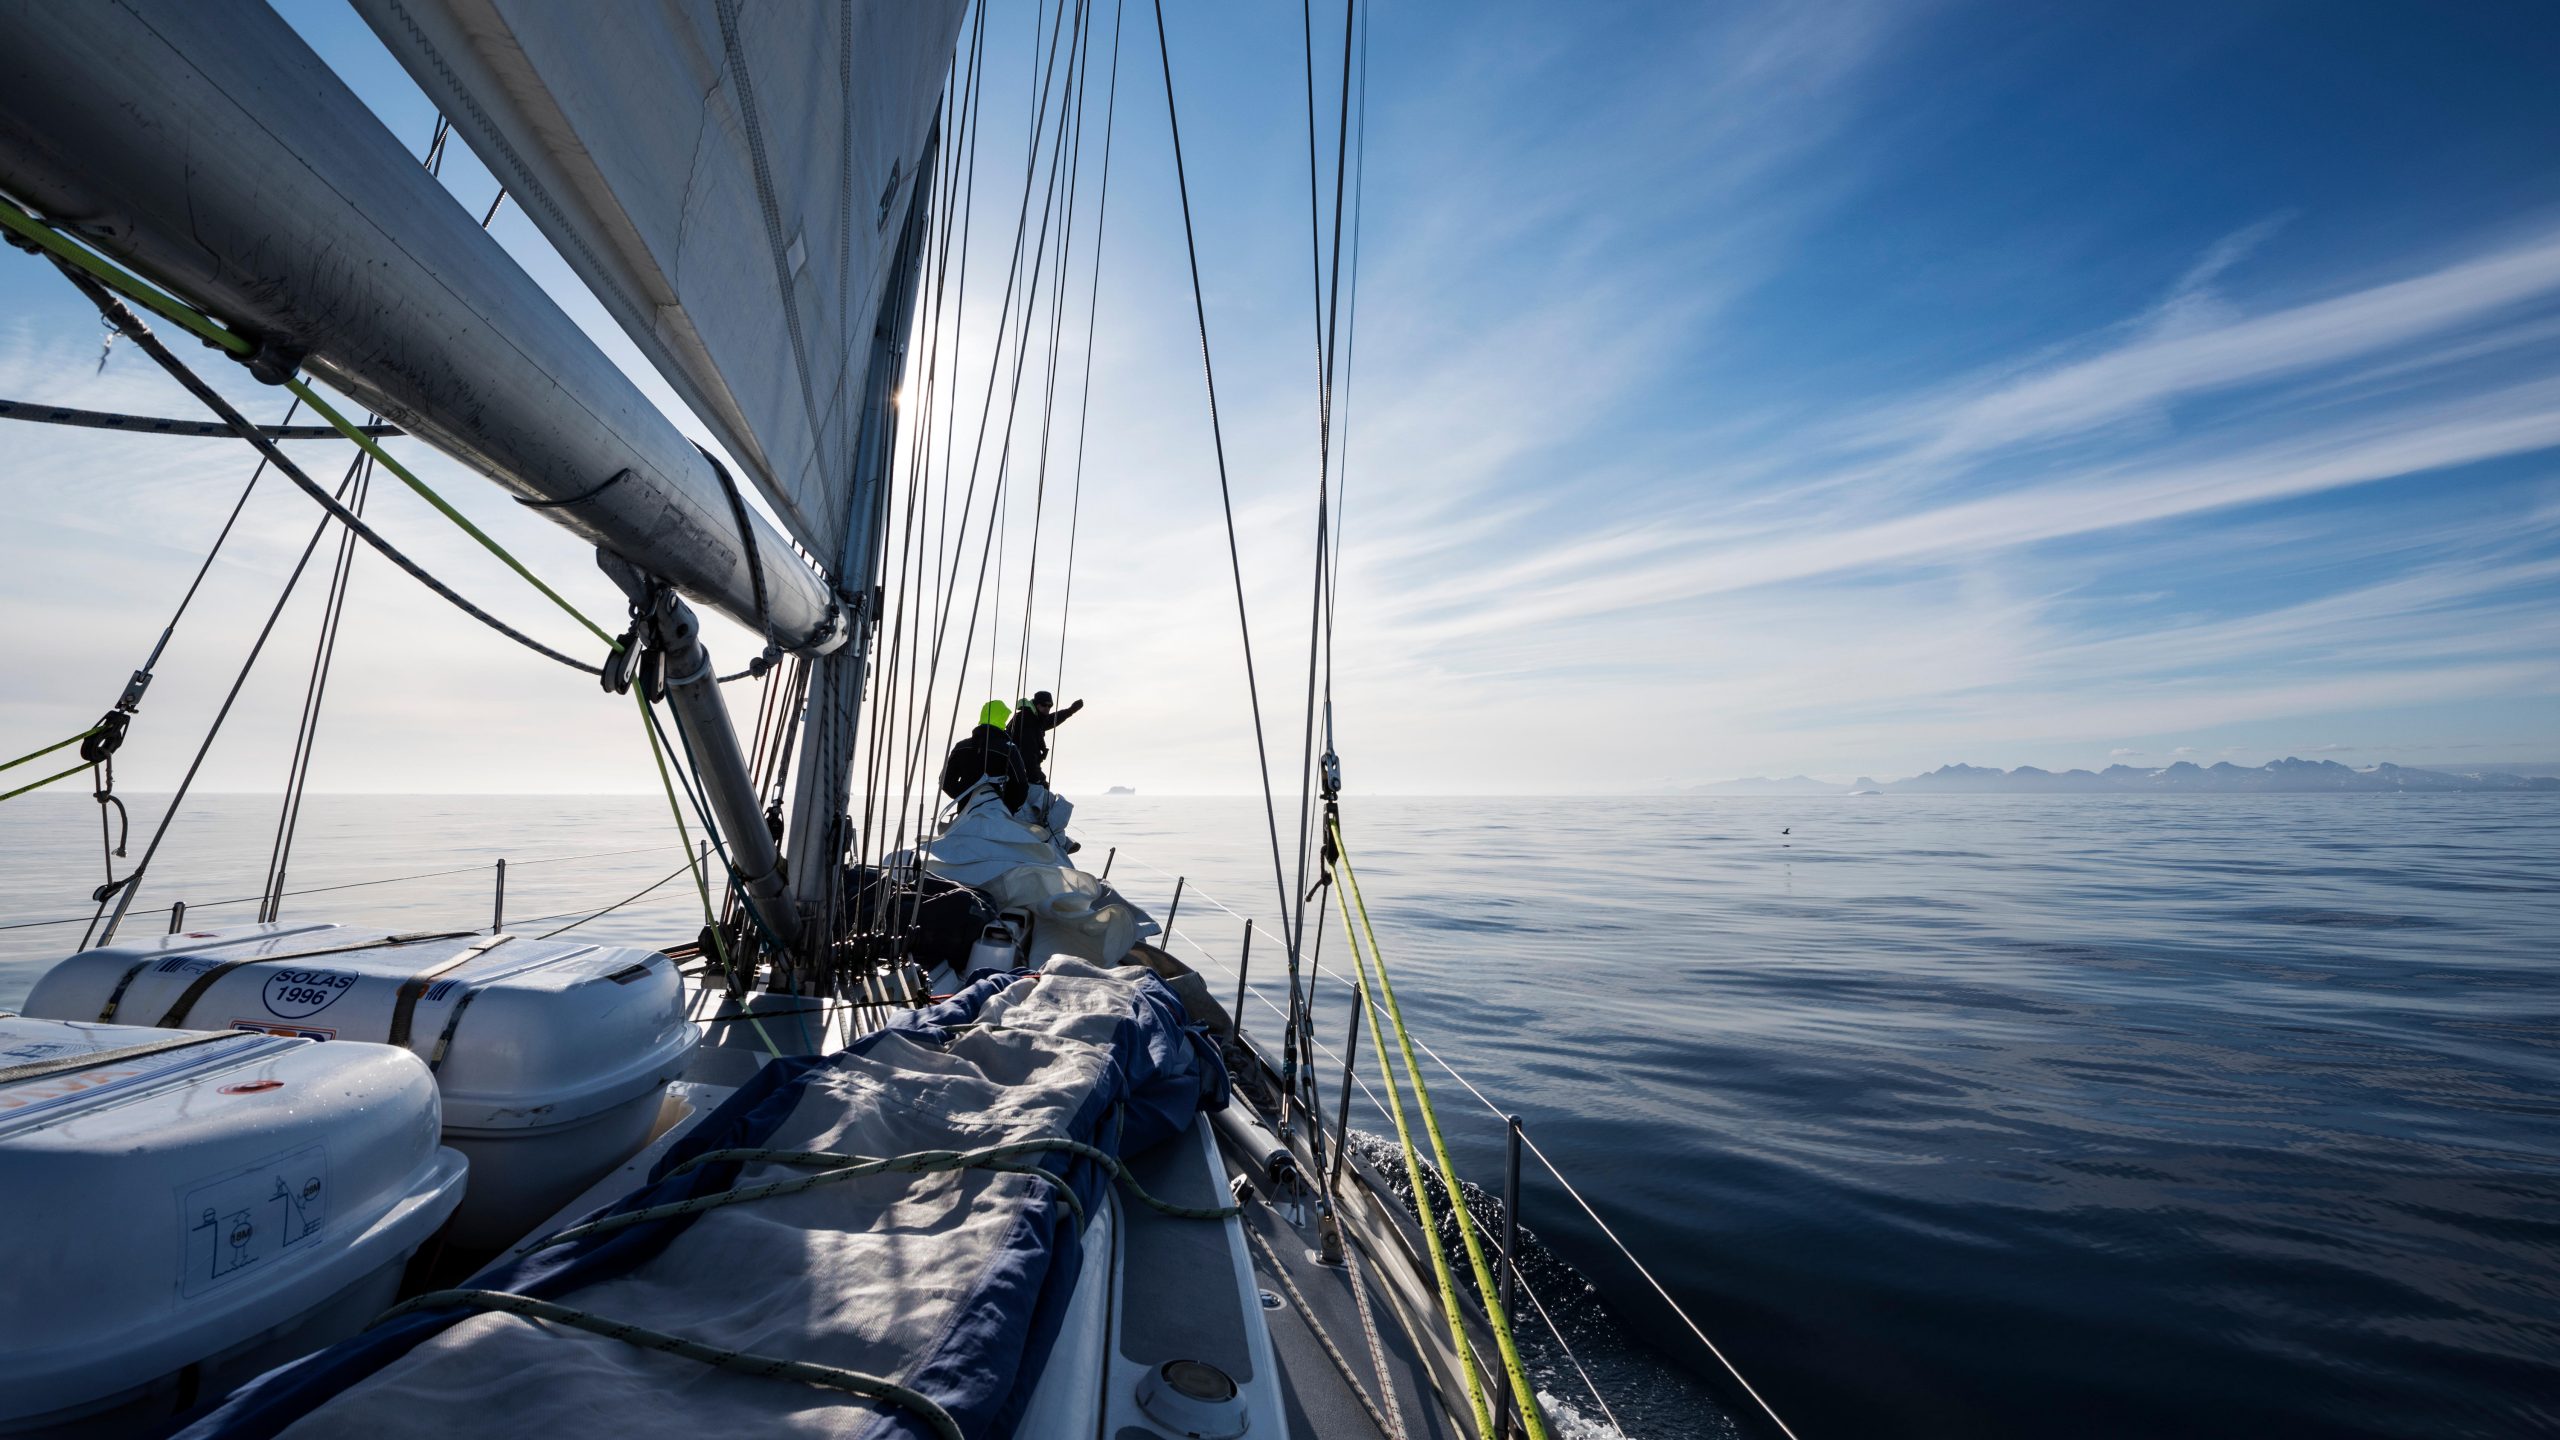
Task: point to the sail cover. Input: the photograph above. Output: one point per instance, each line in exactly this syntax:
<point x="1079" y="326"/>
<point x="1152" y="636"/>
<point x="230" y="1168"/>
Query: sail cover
<point x="953" y="1282"/>
<point x="729" y="179"/>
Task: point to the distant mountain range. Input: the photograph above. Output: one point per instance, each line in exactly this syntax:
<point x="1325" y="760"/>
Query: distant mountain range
<point x="2286" y="776"/>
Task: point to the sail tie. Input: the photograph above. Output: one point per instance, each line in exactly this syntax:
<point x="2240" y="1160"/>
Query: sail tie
<point x="746" y="539"/>
<point x="581" y="498"/>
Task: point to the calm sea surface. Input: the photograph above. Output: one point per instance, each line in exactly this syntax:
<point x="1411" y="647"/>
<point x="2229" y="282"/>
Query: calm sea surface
<point x="2094" y="1116"/>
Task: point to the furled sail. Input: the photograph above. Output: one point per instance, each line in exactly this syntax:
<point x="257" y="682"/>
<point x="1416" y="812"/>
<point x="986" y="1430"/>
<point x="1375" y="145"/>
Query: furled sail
<point x="730" y="180"/>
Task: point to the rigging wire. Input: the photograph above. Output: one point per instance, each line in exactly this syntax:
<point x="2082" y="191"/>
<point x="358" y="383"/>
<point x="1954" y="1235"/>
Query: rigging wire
<point x="1093" y="301"/>
<point x="1022" y="221"/>
<point x="141" y="335"/>
<point x="1226" y="497"/>
<point x="929" y="231"/>
<point x="324" y="654"/>
<point x="1057" y="332"/>
<point x="123" y="891"/>
<point x="1001" y="514"/>
<point x="1013" y="407"/>
<point x="1350" y="343"/>
<point x="97" y="276"/>
<point x="913" y="698"/>
<point x="1327" y="312"/>
<point x="34" y="413"/>
<point x="306" y="740"/>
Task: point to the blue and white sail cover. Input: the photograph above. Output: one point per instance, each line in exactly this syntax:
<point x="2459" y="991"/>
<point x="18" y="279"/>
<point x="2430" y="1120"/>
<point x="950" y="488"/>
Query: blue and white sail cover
<point x="955" y="1284"/>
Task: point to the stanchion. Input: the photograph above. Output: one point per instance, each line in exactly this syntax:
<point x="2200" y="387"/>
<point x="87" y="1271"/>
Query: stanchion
<point x="1342" y="1114"/>
<point x="1244" y="967"/>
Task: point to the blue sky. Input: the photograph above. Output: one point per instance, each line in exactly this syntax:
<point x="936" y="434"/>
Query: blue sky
<point x="1757" y="389"/>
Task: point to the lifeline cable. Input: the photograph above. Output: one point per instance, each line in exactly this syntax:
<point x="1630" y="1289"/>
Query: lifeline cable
<point x="643" y="891"/>
<point x="348" y="885"/>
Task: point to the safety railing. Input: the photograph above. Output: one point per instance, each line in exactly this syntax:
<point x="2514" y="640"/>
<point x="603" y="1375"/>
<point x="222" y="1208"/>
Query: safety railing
<point x="178" y="910"/>
<point x="1516" y="1132"/>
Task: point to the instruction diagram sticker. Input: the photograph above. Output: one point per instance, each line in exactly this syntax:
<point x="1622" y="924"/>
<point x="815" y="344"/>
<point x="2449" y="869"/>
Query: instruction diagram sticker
<point x="247" y="1218"/>
<point x="293" y="994"/>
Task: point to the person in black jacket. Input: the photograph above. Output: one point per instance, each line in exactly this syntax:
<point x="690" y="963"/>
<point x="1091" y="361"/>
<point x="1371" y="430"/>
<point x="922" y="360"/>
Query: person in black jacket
<point x="985" y="754"/>
<point x="1030" y="733"/>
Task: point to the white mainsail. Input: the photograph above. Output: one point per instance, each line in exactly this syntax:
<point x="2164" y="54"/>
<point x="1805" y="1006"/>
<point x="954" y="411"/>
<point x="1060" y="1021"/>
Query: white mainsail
<point x="730" y="180"/>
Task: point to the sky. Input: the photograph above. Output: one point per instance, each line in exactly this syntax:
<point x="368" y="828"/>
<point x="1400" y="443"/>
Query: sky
<point x="1737" y="390"/>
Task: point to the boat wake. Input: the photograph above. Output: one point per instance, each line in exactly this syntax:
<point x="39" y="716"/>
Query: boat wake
<point x="1597" y="1380"/>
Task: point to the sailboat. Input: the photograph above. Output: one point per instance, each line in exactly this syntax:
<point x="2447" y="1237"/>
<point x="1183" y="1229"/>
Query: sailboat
<point x="920" y="1135"/>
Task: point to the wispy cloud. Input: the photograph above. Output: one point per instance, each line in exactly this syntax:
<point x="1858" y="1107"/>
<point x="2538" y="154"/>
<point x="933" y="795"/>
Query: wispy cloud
<point x="1614" y="489"/>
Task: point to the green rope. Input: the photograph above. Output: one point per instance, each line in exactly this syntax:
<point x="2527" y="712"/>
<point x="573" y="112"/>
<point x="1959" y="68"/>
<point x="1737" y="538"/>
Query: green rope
<point x="1521" y="1389"/>
<point x="40" y="784"/>
<point x="49" y="749"/>
<point x="1447" y="1283"/>
<point x="372" y="447"/>
<point x="844" y="1167"/>
<point x="49" y="779"/>
<point x="747" y="1362"/>
<point x="54" y="243"/>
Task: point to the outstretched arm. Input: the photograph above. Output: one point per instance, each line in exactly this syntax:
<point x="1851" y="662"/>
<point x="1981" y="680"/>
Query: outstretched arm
<point x="1063" y="716"/>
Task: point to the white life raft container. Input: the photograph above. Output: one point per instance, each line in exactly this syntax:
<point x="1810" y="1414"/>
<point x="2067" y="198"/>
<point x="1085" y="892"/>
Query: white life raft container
<point x="187" y="1209"/>
<point x="552" y="1055"/>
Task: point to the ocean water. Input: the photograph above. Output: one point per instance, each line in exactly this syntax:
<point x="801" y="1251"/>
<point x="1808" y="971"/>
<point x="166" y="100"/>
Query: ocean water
<point x="1981" y="1116"/>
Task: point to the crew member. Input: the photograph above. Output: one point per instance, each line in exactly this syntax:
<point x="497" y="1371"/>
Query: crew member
<point x="1030" y="733"/>
<point x="985" y="754"/>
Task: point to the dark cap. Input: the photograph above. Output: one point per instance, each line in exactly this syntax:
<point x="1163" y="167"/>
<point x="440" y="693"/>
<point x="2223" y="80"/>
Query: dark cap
<point x="1043" y="697"/>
